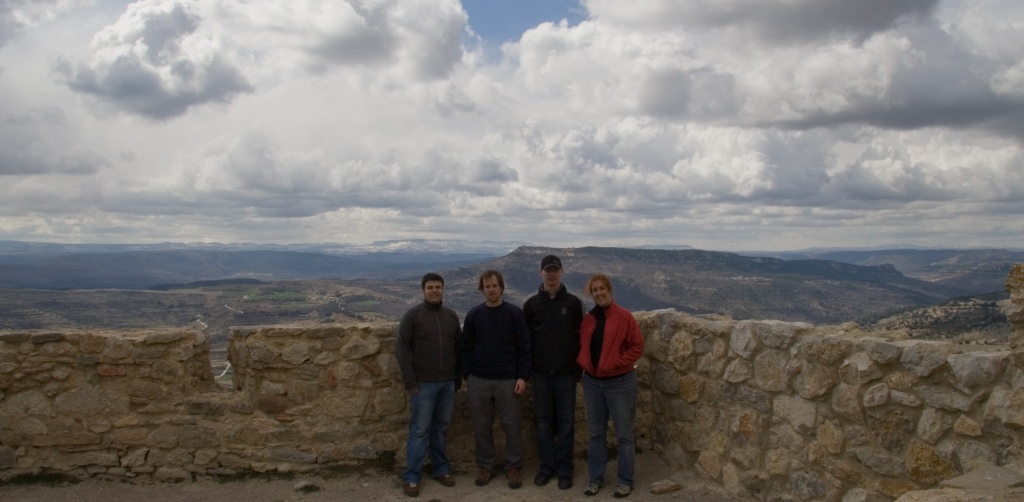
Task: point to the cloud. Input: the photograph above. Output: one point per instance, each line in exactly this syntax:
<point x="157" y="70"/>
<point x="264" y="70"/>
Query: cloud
<point x="730" y="124"/>
<point x="17" y="15"/>
<point x="164" y="57"/>
<point x="24" y="150"/>
<point x="154" y="61"/>
<point x="774" y="20"/>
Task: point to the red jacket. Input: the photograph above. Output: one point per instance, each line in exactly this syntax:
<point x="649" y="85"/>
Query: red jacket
<point x="623" y="344"/>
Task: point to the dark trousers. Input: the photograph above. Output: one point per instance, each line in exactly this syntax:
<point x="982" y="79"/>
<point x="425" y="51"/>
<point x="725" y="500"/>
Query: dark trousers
<point x="554" y="407"/>
<point x="488" y="398"/>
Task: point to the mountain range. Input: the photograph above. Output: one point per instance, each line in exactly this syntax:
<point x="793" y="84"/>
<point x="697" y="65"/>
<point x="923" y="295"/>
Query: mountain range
<point x="820" y="286"/>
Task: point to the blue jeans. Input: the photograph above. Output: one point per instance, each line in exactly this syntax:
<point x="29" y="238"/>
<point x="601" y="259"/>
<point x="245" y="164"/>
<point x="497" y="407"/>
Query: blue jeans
<point x="554" y="407"/>
<point x="431" y="408"/>
<point x="613" y="398"/>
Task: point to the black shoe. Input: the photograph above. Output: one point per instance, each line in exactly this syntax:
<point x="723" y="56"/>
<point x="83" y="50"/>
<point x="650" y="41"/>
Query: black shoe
<point x="564" y="483"/>
<point x="541" y="479"/>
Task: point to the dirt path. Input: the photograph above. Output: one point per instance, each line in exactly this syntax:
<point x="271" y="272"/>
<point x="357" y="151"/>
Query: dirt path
<point x="370" y="485"/>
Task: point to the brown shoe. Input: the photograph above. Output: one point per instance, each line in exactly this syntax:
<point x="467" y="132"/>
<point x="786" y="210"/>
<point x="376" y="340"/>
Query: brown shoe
<point x="445" y="479"/>
<point x="515" y="480"/>
<point x="483" y="477"/>
<point x="411" y="489"/>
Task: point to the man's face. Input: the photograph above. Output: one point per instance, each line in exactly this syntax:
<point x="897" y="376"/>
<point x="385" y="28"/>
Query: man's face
<point x="492" y="291"/>
<point x="433" y="291"/>
<point x="552" y="277"/>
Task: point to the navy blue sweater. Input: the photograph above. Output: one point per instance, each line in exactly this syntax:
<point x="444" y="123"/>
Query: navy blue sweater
<point x="496" y="343"/>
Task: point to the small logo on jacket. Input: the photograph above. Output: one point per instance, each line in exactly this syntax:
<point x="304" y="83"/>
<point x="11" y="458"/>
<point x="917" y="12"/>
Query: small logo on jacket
<point x="564" y="311"/>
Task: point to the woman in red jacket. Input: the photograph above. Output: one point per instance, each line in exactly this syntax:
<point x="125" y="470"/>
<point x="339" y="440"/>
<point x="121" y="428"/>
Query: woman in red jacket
<point x="610" y="346"/>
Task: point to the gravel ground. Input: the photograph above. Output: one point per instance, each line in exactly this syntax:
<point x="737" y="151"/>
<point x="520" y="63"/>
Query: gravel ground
<point x="367" y="484"/>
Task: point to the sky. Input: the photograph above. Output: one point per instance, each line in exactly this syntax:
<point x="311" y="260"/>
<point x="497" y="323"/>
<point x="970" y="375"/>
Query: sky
<point x="718" y="124"/>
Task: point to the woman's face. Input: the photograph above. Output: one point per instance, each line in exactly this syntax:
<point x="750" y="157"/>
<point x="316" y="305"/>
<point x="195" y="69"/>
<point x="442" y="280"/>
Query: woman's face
<point x="601" y="294"/>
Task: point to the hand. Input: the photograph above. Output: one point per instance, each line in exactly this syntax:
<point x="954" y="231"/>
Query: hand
<point x="520" y="386"/>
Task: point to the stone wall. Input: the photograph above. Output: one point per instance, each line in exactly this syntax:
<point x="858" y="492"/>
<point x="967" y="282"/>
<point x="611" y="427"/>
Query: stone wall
<point x="789" y="411"/>
<point x="101" y="402"/>
<point x="775" y="410"/>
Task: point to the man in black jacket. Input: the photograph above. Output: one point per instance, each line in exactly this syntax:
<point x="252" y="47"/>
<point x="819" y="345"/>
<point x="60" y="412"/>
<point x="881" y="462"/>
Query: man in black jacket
<point x="554" y="316"/>
<point x="427" y="349"/>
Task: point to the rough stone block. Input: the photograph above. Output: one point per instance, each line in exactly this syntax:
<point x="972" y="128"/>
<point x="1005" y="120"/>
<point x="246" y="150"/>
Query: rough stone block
<point x="971" y="455"/>
<point x="824" y="349"/>
<point x="846" y="401"/>
<point x="769" y="371"/>
<point x="876" y="395"/>
<point x="859" y="369"/>
<point x="977" y="369"/>
<point x="945" y="398"/>
<point x="739" y="370"/>
<point x="743" y="341"/>
<point x="922" y="358"/>
<point x="814" y="381"/>
<point x="905" y="399"/>
<point x="933" y="424"/>
<point x="964" y="426"/>
<point x="925" y="465"/>
<point x="880" y="461"/>
<point x="801" y="414"/>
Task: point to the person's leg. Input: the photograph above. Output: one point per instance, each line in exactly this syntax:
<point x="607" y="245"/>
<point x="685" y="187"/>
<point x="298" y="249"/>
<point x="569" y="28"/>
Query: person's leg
<point x="479" y="391"/>
<point x="565" y="418"/>
<point x="621" y="395"/>
<point x="544" y="414"/>
<point x="597" y="424"/>
<point x="444" y="408"/>
<point x="510" y="413"/>
<point x="421" y="406"/>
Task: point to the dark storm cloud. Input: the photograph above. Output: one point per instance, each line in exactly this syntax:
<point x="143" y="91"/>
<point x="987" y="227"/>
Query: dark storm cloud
<point x="137" y="88"/>
<point x="770" y="20"/>
<point x="940" y="83"/>
<point x="167" y="77"/>
<point x="806" y="20"/>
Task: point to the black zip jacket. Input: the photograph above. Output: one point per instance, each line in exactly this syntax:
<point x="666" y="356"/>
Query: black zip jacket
<point x="555" y="331"/>
<point x="427" y="345"/>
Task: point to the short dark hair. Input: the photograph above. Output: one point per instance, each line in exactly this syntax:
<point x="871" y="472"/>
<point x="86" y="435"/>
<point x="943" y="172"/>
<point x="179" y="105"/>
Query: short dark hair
<point x="491" y="273"/>
<point x="431" y="276"/>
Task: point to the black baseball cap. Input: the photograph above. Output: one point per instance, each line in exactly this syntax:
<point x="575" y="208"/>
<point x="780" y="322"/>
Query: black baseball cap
<point x="550" y="261"/>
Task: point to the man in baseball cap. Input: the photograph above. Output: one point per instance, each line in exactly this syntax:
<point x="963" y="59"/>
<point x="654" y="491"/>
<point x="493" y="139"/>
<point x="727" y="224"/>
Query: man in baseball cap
<point x="554" y="316"/>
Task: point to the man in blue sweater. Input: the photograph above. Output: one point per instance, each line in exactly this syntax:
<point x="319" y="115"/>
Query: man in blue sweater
<point x="496" y="362"/>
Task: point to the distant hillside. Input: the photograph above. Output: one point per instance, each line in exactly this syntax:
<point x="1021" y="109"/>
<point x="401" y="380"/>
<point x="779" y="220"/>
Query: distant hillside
<point x="698" y="281"/>
<point x="965" y="271"/>
<point x="145" y="269"/>
<point x="965" y="319"/>
<point x="317" y="286"/>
